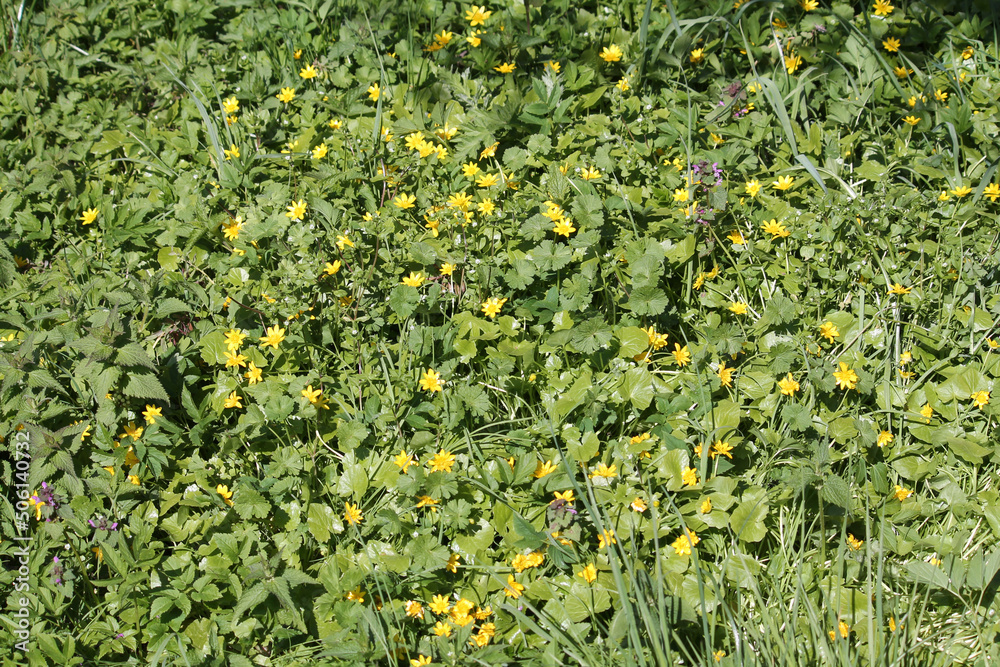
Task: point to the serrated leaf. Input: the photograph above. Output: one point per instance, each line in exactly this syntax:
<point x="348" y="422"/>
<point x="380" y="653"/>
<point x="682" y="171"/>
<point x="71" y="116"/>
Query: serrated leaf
<point x="403" y="300"/>
<point x="251" y="597"/>
<point x="132" y="354"/>
<point x="648" y="301"/>
<point x="145" y="385"/>
<point x="169" y="306"/>
<point x="248" y="503"/>
<point x="836" y="491"/>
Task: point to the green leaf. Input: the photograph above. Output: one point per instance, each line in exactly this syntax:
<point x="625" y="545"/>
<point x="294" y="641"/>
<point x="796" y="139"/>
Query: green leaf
<point x="648" y="301"/>
<point x="631" y="341"/>
<point x="132" y="354"/>
<point x="251" y="597"/>
<point x="747" y="520"/>
<point x="836" y="491"/>
<point x="145" y="385"/>
<point x="248" y="503"/>
<point x="403" y="300"/>
<point x="350" y="434"/>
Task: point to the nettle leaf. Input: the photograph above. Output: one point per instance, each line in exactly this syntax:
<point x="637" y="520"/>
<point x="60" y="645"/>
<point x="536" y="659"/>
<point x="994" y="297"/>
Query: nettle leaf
<point x="145" y="385"/>
<point x="648" y="301"/>
<point x="132" y="354"/>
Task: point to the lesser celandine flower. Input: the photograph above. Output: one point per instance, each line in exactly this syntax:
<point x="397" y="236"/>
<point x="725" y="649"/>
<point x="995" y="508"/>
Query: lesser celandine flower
<point x="981" y="399"/>
<point x="286" y="95"/>
<point x="738" y="308"/>
<point x="227" y="495"/>
<point x="829" y="331"/>
<point x="491" y="307"/>
<point x="911" y="120"/>
<point x="88" y="216"/>
<point x="682" y="357"/>
<point x="352" y="514"/>
<point x="273" y="336"/>
<point x="783" y="183"/>
<point x="477" y="15"/>
<point x="752" y="187"/>
<point x="443" y="461"/>
<point x="415" y="279"/>
<point x="512" y="589"/>
<point x="882" y="8"/>
<point x="233" y="401"/>
<point x="846" y="377"/>
<point x="308" y="72"/>
<point x="431" y="381"/>
<point x="902" y="493"/>
<point x="891" y="44"/>
<point x="505" y="68"/>
<point x="788" y="386"/>
<point x="611" y="54"/>
<point x="374" y="92"/>
<point x="683" y="544"/>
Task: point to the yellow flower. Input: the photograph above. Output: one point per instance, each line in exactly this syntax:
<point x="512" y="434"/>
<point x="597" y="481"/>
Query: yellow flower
<point x="487" y="180"/>
<point x="783" y="183"/>
<point x="470" y="169"/>
<point x="474" y="38"/>
<point x="605" y="471"/>
<point x="589" y="174"/>
<point x="335" y="124"/>
<point x="233" y="401"/>
<point x="132" y="431"/>
<point x="477" y="15"/>
<point x="543" y="469"/>
<point x="846" y="377"/>
<point x="565" y="496"/>
<point x="312" y="395"/>
<point x="286" y="95"/>
<point x="725" y="375"/>
<point x="682" y="357"/>
<point x="274" y="336"/>
<point x="486" y="207"/>
<point x="232" y="152"/>
<point x="564" y="227"/>
<point x="236" y="360"/>
<point x="792" y="62"/>
<point x="227" y="495"/>
<point x="151" y="413"/>
<point x="343" y="241"/>
<point x="374" y="92"/>
<point x="231" y="105"/>
<point x="357" y="595"/>
<point x="308" y="72"/>
<point x="298" y="54"/>
<point x="505" y="68"/>
<point x="722" y="449"/>
<point x="697" y="55"/>
<point x="992" y="191"/>
<point x="961" y="191"/>
<point x="414" y="609"/>
<point x="682" y="545"/>
<point x="775" y="229"/>
<point x="738" y="308"/>
<point x="720" y="654"/>
<point x="491" y="307"/>
<point x="854" y="542"/>
<point x="452" y="564"/>
<point x="320" y="152"/>
<point x="788" y="386"/>
<point x="588" y="574"/>
<point x="896" y="288"/>
<point x="447" y="269"/>
<point x="706" y="506"/>
<point x="689" y="476"/>
<point x="622" y="85"/>
<point x="611" y="54"/>
<point x="681" y="195"/>
<point x="439" y="604"/>
<point x="891" y="44"/>
<point x="639" y="505"/>
<point x="808" y="5"/>
<point x="752" y="187"/>
<point x="606" y="538"/>
<point x="884" y="438"/>
<point x="234" y="339"/>
<point x="297" y="210"/>
<point x="656" y="341"/>
<point x="882" y="8"/>
<point x="231" y="230"/>
<point x="253" y="374"/>
<point x="981" y="399"/>
<point x="943" y="196"/>
<point x="512" y="589"/>
<point x="829" y="331"/>
<point x="736" y="236"/>
<point x="352" y="514"/>
<point x="489" y="151"/>
<point x="415" y="279"/>
<point x="911" y="120"/>
<point x="902" y="72"/>
<point x="332" y="268"/>
<point x="88" y="216"/>
<point x="940" y="95"/>
<point x="431" y="381"/>
<point x="442" y="461"/>
<point x="927" y="412"/>
<point x="901" y="493"/>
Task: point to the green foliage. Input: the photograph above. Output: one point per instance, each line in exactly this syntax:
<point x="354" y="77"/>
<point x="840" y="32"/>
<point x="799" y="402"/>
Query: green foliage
<point x="344" y="333"/>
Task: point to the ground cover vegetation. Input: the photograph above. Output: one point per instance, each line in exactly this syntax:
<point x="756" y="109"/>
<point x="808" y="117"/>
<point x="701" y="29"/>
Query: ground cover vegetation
<point x="422" y="332"/>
